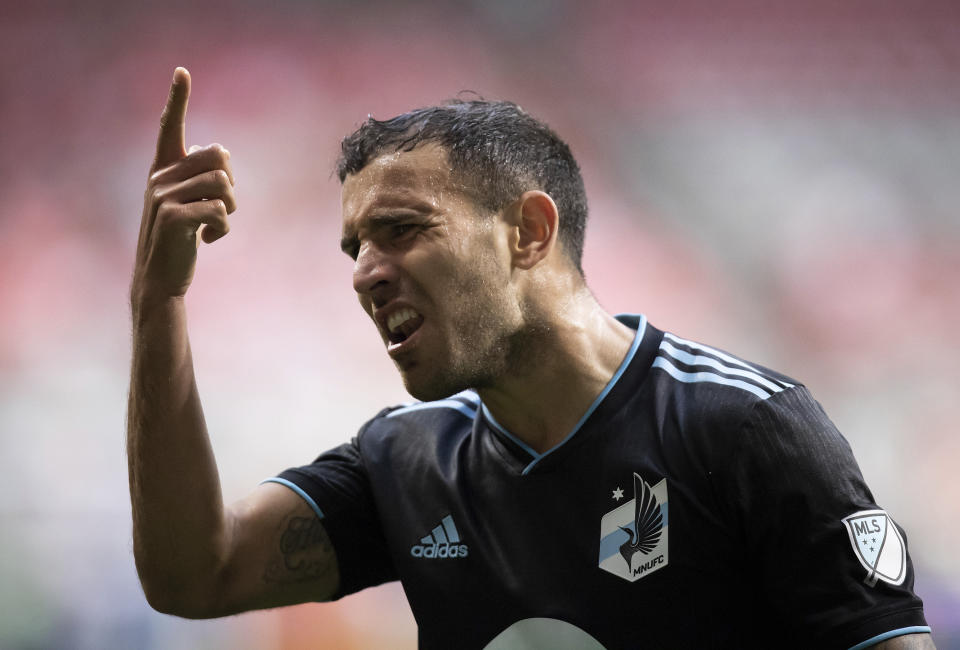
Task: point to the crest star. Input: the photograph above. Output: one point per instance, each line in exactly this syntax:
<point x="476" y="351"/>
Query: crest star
<point x="618" y="494"/>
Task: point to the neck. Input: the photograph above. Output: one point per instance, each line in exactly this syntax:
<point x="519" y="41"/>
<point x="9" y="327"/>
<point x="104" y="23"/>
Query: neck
<point x="576" y="341"/>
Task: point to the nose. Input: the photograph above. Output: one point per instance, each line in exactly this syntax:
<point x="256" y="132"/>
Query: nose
<point x="373" y="272"/>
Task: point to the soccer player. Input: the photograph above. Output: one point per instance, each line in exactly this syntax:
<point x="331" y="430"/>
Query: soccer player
<point x="568" y="479"/>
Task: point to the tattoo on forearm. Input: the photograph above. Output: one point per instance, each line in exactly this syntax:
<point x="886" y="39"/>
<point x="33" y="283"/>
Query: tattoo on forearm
<point x="305" y="552"/>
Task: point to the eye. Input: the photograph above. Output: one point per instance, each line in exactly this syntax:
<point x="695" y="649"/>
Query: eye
<point x="401" y="229"/>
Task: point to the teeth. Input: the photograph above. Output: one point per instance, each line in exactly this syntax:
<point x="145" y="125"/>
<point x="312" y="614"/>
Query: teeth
<point x="398" y="318"/>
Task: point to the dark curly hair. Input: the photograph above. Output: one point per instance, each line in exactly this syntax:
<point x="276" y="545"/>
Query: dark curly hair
<point x="497" y="150"/>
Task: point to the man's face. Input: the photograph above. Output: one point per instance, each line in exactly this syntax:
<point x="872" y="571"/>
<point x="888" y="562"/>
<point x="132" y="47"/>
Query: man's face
<point x="432" y="270"/>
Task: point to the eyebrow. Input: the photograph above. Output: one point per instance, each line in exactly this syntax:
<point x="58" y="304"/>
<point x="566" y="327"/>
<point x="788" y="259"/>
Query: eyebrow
<point x="349" y="241"/>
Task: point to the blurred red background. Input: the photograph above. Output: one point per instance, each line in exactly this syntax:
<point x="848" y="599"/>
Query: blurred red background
<point x="777" y="179"/>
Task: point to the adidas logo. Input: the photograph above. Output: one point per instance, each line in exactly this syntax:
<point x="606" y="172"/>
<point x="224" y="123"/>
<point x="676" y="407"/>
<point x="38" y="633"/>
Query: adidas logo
<point x="443" y="541"/>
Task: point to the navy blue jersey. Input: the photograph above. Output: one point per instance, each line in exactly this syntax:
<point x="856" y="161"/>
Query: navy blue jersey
<point x="700" y="502"/>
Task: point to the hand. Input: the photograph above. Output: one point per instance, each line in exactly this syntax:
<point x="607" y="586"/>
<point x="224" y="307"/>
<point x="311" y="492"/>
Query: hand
<point x="186" y="193"/>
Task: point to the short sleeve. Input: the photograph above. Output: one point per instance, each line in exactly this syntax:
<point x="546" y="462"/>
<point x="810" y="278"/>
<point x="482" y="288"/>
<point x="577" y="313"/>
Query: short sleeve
<point x="338" y="486"/>
<point x="794" y="482"/>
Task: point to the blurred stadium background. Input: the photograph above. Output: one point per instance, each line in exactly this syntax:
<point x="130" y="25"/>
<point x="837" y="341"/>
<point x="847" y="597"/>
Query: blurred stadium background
<point x="778" y="179"/>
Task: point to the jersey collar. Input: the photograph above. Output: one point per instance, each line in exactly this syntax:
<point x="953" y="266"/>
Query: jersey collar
<point x="525" y="458"/>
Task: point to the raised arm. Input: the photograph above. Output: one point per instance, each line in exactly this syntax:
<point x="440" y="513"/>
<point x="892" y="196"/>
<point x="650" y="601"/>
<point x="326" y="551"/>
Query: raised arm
<point x="195" y="557"/>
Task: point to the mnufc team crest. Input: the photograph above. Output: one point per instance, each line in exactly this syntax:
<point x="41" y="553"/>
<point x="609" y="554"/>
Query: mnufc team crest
<point x="878" y="545"/>
<point x="633" y="536"/>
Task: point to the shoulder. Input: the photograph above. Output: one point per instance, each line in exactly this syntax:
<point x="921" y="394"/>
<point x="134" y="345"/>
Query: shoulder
<point x="737" y="411"/>
<point x="420" y="423"/>
<point x="465" y="403"/>
<point x="692" y="363"/>
<point x="703" y="384"/>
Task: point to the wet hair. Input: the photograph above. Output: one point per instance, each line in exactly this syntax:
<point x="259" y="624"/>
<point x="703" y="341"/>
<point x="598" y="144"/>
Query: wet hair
<point x="496" y="149"/>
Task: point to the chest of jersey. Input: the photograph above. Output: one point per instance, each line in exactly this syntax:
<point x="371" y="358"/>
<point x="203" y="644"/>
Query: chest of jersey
<point x="699" y="503"/>
<point x="611" y="538"/>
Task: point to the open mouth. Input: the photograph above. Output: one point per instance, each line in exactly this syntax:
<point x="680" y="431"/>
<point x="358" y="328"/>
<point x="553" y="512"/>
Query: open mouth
<point x="402" y="324"/>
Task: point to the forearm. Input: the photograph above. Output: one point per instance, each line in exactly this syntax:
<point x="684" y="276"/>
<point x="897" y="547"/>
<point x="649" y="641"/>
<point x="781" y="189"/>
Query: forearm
<point x="178" y="514"/>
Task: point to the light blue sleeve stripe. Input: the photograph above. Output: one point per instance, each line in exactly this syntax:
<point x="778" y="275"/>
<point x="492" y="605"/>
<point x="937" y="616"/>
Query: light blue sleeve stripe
<point x="915" y="629"/>
<point x="446" y="403"/>
<point x="707" y="348"/>
<point x="296" y="488"/>
<point x="700" y="360"/>
<point x="709" y="377"/>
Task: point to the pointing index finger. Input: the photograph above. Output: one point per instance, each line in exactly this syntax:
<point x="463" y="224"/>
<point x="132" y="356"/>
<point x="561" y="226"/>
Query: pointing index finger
<point x="170" y="141"/>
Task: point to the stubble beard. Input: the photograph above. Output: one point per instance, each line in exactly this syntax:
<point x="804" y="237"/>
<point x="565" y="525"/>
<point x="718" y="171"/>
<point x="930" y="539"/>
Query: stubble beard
<point x="494" y="340"/>
<point x="493" y="335"/>
<point x="490" y="337"/>
<point x="474" y="358"/>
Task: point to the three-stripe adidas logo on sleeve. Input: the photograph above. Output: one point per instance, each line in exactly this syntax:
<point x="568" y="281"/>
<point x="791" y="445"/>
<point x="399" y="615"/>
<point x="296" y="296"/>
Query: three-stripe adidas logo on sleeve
<point x="692" y="362"/>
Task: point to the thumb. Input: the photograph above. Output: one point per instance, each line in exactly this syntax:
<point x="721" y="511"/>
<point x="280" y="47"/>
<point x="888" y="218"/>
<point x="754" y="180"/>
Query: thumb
<point x="170" y="141"/>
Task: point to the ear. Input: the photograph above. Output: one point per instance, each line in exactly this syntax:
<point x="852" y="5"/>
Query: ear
<point x="535" y="219"/>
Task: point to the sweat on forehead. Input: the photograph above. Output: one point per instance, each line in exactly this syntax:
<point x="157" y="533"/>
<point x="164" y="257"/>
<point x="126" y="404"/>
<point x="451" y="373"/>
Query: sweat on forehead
<point x="414" y="181"/>
<point x="425" y="164"/>
<point x="422" y="174"/>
